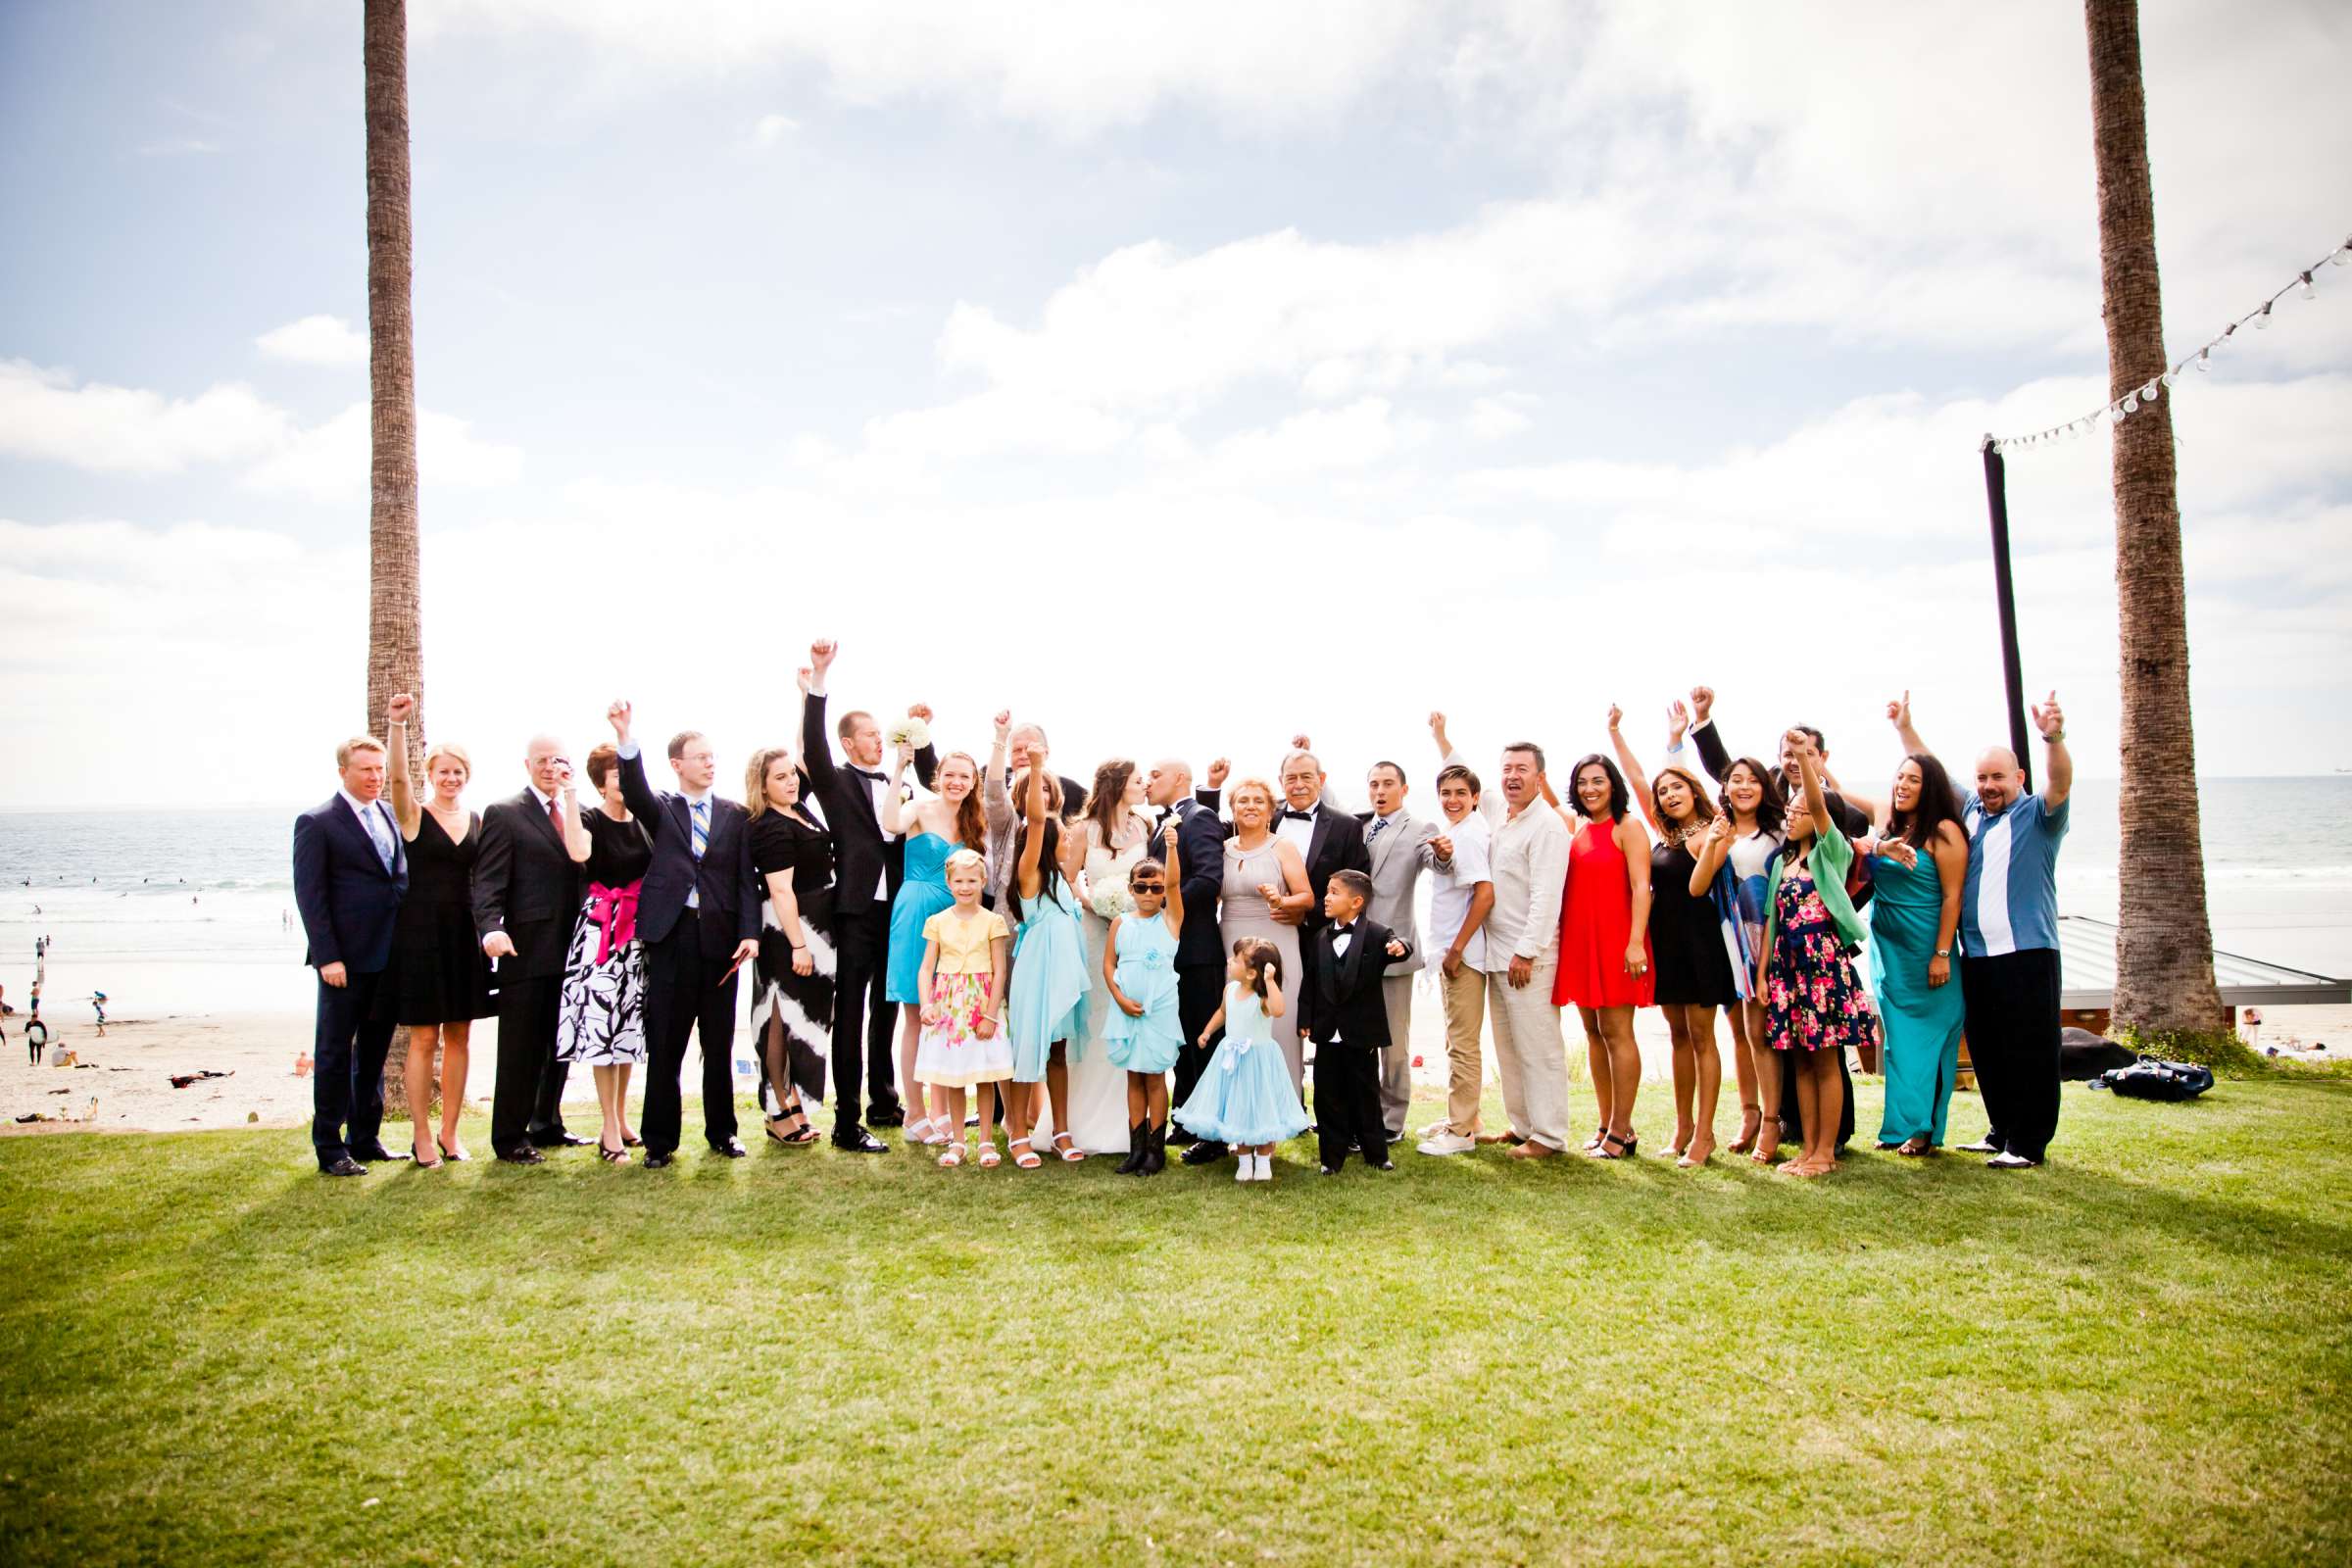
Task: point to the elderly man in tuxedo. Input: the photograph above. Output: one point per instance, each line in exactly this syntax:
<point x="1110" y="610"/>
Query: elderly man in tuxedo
<point x="350" y="871"/>
<point x="1398" y="846"/>
<point x="527" y="890"/>
<point x="697" y="915"/>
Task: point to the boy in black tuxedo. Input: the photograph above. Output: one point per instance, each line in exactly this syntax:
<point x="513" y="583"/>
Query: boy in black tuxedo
<point x="1343" y="1010"/>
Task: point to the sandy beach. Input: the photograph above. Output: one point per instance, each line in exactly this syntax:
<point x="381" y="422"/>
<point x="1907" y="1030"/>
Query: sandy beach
<point x="128" y="1073"/>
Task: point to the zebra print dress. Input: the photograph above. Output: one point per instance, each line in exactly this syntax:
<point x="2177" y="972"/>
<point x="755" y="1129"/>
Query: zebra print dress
<point x="800" y="1006"/>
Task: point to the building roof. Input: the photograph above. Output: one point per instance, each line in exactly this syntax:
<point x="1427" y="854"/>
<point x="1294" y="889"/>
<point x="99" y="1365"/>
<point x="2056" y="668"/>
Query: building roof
<point x="2086" y="957"/>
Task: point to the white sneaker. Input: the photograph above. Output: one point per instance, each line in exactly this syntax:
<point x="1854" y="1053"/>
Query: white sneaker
<point x="1265" y="1168"/>
<point x="2008" y="1161"/>
<point x="1445" y="1142"/>
<point x="1240" y="1168"/>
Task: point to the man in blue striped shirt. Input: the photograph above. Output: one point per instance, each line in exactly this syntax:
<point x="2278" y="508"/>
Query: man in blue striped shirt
<point x="2009" y="977"/>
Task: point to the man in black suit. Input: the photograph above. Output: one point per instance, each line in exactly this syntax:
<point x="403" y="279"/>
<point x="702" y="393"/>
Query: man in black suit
<point x="349" y="870"/>
<point x="697" y="915"/>
<point x="1852" y="820"/>
<point x="1344" y="1011"/>
<point x="526" y="897"/>
<point x="868" y="864"/>
<point x="1199" y="946"/>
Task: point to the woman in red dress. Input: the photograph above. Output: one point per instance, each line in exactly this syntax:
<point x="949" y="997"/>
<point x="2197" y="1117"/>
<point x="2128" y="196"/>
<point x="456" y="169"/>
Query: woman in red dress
<point x="1604" y="944"/>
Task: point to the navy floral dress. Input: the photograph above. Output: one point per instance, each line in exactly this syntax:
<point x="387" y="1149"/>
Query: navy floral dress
<point x="1812" y="998"/>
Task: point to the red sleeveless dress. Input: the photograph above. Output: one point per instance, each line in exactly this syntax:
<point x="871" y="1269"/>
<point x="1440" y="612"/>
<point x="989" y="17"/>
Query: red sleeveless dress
<point x="1596" y="917"/>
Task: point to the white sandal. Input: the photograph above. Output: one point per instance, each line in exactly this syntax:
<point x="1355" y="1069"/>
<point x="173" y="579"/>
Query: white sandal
<point x="952" y="1157"/>
<point x="918" y="1131"/>
<point x="1027" y="1158"/>
<point x="1071" y="1155"/>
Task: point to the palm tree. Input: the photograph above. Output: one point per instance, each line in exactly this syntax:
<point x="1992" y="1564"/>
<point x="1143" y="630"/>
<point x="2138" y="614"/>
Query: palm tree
<point x="395" y="629"/>
<point x="2163" y="941"/>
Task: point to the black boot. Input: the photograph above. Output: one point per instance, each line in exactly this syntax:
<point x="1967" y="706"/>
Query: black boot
<point x="1137" y="1139"/>
<point x="1155" y="1149"/>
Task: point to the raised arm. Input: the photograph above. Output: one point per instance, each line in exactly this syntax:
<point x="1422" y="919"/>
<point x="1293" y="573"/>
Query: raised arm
<point x="1708" y="861"/>
<point x="897" y="818"/>
<point x="817" y="747"/>
<point x="576" y="842"/>
<point x="996" y="801"/>
<point x="643" y="805"/>
<point x="1898" y="713"/>
<point x="2058" y="778"/>
<point x="926" y="759"/>
<point x="1172" y="871"/>
<point x="406" y="810"/>
<point x="1635" y="779"/>
<point x="1713" y="754"/>
<point x="1026" y="873"/>
<point x="1799" y="745"/>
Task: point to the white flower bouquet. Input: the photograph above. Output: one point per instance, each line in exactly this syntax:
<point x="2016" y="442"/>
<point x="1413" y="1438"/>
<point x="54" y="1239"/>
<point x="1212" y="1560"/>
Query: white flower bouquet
<point x="1110" y="897"/>
<point x="911" y="733"/>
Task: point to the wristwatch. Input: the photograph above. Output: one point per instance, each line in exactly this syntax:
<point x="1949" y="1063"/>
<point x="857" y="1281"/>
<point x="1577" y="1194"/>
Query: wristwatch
<point x="1944" y="952"/>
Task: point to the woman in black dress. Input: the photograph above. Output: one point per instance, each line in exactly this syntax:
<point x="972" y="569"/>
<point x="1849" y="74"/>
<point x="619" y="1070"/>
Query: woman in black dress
<point x="441" y="982"/>
<point x="1690" y="951"/>
<point x="792" y="999"/>
<point x="599" y="1023"/>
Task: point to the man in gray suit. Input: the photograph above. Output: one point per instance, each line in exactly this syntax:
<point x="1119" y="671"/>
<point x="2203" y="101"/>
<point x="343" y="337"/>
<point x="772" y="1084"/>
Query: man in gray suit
<point x="1398" y="846"/>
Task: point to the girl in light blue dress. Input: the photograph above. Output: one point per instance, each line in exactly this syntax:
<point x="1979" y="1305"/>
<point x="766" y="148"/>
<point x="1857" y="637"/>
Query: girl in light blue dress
<point x="1144" y="1032"/>
<point x="1245" y="1095"/>
<point x="1045" y="1009"/>
<point x="933" y="829"/>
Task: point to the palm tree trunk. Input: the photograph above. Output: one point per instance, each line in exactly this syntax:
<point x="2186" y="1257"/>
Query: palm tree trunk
<point x="395" y="629"/>
<point x="2164" y="941"/>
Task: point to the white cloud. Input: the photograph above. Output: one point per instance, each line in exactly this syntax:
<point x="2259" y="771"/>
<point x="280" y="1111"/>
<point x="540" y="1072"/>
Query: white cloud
<point x="1495" y="419"/>
<point x="116" y="430"/>
<point x="330" y="462"/>
<point x="1074" y="66"/>
<point x="770" y="129"/>
<point x="1312" y="442"/>
<point x="315" y="341"/>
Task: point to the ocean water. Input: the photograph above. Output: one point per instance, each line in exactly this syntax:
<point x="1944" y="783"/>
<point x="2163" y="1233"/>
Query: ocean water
<point x="181" y="912"/>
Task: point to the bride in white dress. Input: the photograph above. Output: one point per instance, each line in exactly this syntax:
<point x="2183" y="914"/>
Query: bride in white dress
<point x="1117" y="834"/>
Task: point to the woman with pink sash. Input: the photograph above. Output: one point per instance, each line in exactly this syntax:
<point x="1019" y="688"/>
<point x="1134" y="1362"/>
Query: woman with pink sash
<point x="601" y="1024"/>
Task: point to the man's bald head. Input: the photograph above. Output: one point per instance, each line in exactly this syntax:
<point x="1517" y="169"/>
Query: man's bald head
<point x="544" y="761"/>
<point x="1169" y="781"/>
<point x="2000" y="780"/>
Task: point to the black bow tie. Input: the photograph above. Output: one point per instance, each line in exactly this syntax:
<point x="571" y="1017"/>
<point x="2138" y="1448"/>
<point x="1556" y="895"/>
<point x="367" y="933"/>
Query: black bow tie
<point x="1290" y="816"/>
<point x="1339" y="931"/>
<point x="865" y="773"/>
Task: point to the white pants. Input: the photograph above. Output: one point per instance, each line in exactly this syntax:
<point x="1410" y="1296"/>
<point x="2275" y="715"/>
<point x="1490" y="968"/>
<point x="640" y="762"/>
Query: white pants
<point x="1396" y="1063"/>
<point x="1530" y="1055"/>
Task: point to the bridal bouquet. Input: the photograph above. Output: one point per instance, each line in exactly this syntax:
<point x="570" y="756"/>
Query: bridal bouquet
<point x="1108" y="898"/>
<point x="911" y="733"/>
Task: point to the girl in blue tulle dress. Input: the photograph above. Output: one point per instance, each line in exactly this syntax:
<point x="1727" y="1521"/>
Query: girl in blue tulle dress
<point x="1144" y="1032"/>
<point x="1245" y="1095"/>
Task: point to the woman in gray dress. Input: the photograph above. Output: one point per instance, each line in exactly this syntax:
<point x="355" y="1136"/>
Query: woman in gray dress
<point x="1264" y="875"/>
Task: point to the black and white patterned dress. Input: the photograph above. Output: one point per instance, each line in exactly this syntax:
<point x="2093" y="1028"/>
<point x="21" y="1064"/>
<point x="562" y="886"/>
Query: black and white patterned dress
<point x="602" y="1020"/>
<point x="801" y="1005"/>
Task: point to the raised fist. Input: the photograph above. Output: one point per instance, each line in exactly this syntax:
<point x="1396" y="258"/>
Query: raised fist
<point x="400" y="709"/>
<point x="1702" y="703"/>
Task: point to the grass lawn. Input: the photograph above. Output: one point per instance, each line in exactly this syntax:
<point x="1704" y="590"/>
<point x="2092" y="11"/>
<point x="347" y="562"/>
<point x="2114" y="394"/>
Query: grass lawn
<point x="2139" y="1354"/>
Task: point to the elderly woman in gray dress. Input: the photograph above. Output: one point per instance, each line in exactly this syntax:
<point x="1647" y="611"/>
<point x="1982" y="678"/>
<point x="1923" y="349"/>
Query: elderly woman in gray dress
<point x="1264" y="874"/>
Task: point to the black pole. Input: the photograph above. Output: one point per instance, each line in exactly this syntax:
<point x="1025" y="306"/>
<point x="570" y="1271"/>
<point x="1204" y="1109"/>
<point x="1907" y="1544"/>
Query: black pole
<point x="1996" y="497"/>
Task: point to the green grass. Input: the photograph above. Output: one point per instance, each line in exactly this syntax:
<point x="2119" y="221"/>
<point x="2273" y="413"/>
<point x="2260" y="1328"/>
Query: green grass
<point x="2137" y="1355"/>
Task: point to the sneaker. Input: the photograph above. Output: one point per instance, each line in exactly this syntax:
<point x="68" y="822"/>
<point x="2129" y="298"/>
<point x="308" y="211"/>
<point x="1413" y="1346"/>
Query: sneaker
<point x="2007" y="1161"/>
<point x="1265" y="1168"/>
<point x="1445" y="1142"/>
<point x="1980" y="1146"/>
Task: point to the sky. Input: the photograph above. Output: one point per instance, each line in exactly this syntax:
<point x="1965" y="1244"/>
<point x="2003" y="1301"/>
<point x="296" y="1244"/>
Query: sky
<point x="1179" y="377"/>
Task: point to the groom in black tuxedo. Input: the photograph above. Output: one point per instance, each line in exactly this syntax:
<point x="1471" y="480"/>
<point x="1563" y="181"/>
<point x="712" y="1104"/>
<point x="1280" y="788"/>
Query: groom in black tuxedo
<point x="697" y="915"/>
<point x="868" y="868"/>
<point x="1344" y="1009"/>
<point x="350" y="873"/>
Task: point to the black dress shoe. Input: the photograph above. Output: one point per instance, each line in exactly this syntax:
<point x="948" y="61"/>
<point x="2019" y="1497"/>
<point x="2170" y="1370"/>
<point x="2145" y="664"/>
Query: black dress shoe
<point x="895" y="1117"/>
<point x="656" y="1158"/>
<point x="1383" y="1163"/>
<point x="1180" y="1139"/>
<point x="1329" y="1170"/>
<point x="864" y="1143"/>
<point x="560" y="1141"/>
<point x="524" y="1155"/>
<point x="1204" y="1151"/>
<point x="733" y="1149"/>
<point x="344" y="1165"/>
<point x="378" y="1155"/>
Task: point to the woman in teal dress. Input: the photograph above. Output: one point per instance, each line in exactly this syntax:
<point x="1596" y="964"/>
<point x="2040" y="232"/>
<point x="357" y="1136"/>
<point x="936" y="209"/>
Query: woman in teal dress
<point x="1045" y="1009"/>
<point x="933" y="829"/>
<point x="1918" y="864"/>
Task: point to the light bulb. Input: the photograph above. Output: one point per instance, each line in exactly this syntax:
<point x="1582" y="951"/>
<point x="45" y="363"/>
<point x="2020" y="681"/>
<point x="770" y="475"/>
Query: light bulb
<point x="2132" y="403"/>
<point x="2171" y="376"/>
<point x="2151" y="392"/>
<point x="2309" y="292"/>
<point x="2262" y="318"/>
<point x="2343" y="253"/>
<point x="2205" y="358"/>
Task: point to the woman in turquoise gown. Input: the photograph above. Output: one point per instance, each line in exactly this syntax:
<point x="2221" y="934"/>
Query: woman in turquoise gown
<point x="1917" y="868"/>
<point x="921" y="896"/>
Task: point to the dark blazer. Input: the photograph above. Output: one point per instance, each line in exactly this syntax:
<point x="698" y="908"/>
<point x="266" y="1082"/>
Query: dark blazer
<point x="1341" y="996"/>
<point x="859" y="852"/>
<point x="526" y="884"/>
<point x="1201" y="853"/>
<point x="722" y="877"/>
<point x="1338" y="845"/>
<point x="349" y="903"/>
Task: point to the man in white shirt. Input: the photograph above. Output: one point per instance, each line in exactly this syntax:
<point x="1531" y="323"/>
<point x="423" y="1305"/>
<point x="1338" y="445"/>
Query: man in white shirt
<point x="1529" y="863"/>
<point x="1462" y="893"/>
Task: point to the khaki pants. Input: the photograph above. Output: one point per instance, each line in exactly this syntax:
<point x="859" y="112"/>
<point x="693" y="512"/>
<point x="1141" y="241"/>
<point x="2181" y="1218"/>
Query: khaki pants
<point x="1396" y="1061"/>
<point x="1466" y="1015"/>
<point x="1530" y="1055"/>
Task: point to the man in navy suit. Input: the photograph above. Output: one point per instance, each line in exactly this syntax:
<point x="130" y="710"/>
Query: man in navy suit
<point x="697" y="915"/>
<point x="349" y="870"/>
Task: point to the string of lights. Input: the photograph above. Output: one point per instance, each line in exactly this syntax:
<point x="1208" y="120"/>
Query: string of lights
<point x="2128" y="404"/>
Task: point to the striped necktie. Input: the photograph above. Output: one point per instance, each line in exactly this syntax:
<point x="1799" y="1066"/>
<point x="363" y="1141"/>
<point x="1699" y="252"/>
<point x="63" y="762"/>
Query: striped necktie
<point x="698" y="813"/>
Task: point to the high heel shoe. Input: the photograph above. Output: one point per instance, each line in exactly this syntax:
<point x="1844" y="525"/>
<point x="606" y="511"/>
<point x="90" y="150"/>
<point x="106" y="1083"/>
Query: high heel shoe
<point x="447" y="1152"/>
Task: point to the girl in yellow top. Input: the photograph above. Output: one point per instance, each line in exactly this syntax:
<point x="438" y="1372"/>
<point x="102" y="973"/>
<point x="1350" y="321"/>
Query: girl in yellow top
<point x="963" y="1043"/>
